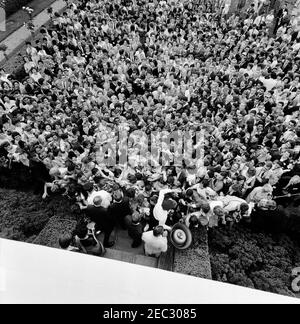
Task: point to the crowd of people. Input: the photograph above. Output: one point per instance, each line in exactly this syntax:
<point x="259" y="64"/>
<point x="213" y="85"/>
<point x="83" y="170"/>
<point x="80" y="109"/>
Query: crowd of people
<point x="156" y="66"/>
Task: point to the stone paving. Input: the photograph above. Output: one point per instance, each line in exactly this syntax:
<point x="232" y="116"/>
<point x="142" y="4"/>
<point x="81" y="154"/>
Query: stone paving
<point x="17" y="38"/>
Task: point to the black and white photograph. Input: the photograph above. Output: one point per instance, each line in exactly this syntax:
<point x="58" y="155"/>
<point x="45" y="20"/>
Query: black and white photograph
<point x="146" y="144"/>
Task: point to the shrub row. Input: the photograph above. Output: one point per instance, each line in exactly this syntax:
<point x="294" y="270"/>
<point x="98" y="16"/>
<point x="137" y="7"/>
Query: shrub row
<point x="255" y="260"/>
<point x="195" y="260"/>
<point x="37" y="221"/>
<point x="57" y="225"/>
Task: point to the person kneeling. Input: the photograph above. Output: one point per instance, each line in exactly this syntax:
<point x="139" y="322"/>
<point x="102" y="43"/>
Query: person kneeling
<point x="65" y="243"/>
<point x="87" y="242"/>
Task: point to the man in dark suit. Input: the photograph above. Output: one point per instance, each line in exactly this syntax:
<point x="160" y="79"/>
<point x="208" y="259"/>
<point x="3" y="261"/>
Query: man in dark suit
<point x="103" y="219"/>
<point x="120" y="209"/>
<point x="136" y="229"/>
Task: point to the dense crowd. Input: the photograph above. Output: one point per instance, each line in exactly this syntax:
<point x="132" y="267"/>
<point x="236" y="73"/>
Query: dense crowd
<point x="156" y="66"/>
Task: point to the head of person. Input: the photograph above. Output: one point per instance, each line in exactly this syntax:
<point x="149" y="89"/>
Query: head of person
<point x="218" y="211"/>
<point x="136" y="217"/>
<point x="130" y="192"/>
<point x="118" y="195"/>
<point x="189" y="193"/>
<point x="205" y="207"/>
<point x="81" y="231"/>
<point x="169" y="204"/>
<point x="153" y="200"/>
<point x="251" y="172"/>
<point x="268" y="165"/>
<point x="97" y="201"/>
<point x="65" y="241"/>
<point x="88" y="186"/>
<point x="267" y="188"/>
<point x="194" y="221"/>
<point x="158" y="231"/>
<point x="244" y="208"/>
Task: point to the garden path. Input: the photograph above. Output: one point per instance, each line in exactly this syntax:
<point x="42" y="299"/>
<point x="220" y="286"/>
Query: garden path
<point x="17" y="19"/>
<point x="14" y="40"/>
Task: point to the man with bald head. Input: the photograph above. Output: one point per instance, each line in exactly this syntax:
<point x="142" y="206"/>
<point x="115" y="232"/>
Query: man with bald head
<point x="101" y="195"/>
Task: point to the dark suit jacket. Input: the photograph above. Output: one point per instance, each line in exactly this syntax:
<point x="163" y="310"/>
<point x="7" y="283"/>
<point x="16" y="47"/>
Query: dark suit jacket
<point x="101" y="217"/>
<point x="135" y="231"/>
<point x="120" y="210"/>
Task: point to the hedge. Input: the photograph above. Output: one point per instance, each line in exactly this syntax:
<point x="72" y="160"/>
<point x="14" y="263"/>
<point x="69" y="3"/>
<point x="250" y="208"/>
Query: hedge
<point x="11" y="6"/>
<point x="37" y="221"/>
<point x="255" y="260"/>
<point x="195" y="260"/>
<point x="57" y="225"/>
<point x="22" y="215"/>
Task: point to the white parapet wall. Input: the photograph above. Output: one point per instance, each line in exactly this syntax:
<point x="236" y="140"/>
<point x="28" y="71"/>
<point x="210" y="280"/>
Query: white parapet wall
<point x="35" y="274"/>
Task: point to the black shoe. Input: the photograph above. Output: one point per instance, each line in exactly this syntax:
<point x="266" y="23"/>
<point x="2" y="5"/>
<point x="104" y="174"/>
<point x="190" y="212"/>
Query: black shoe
<point x="109" y="244"/>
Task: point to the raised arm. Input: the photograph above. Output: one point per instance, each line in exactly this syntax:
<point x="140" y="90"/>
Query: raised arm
<point x="163" y="192"/>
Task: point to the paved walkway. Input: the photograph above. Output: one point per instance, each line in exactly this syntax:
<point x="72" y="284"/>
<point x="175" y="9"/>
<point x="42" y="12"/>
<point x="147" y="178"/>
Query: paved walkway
<point x="14" y="40"/>
<point x="131" y="258"/>
<point x="122" y="250"/>
<point x="17" y="19"/>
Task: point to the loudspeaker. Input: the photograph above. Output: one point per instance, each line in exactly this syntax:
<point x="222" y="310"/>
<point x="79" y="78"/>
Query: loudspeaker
<point x="181" y="236"/>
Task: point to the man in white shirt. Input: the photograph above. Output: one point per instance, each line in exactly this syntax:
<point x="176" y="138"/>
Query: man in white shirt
<point x="236" y="204"/>
<point x="155" y="242"/>
<point x="162" y="208"/>
<point x="205" y="192"/>
<point x="95" y="198"/>
<point x="260" y="193"/>
<point x="217" y="213"/>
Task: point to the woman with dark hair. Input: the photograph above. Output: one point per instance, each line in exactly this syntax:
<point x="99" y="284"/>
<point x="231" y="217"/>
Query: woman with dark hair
<point x="86" y="240"/>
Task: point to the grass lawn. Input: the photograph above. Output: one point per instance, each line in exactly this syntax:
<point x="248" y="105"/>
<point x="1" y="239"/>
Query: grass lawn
<point x="17" y="20"/>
